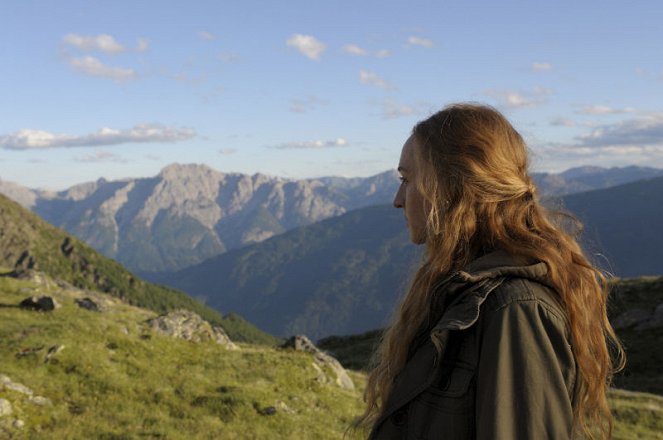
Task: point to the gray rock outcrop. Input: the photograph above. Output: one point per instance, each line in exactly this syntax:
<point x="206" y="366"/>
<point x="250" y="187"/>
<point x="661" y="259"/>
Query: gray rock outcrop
<point x="322" y="359"/>
<point x="187" y="325"/>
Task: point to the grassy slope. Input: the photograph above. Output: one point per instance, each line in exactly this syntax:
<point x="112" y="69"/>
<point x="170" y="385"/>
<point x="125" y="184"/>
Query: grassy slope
<point x="116" y="379"/>
<point x="66" y="258"/>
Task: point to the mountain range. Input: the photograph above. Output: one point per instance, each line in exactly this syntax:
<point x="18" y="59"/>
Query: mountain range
<point x="188" y="213"/>
<point x="345" y="274"/>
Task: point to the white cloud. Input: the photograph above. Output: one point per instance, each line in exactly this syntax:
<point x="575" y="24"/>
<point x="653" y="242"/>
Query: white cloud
<point x="604" y="110"/>
<point x="418" y="41"/>
<point x="373" y="79"/>
<point x="28" y="139"/>
<point x="646" y="130"/>
<point x="93" y="67"/>
<point x="392" y="109"/>
<point x="227" y="151"/>
<point x="312" y="145"/>
<point x="101" y="157"/>
<point x="541" y="67"/>
<point x="517" y="99"/>
<point x="207" y="36"/>
<point x="142" y="45"/>
<point x="103" y="43"/>
<point x="307" y="45"/>
<point x="355" y="50"/>
<point x="310" y="103"/>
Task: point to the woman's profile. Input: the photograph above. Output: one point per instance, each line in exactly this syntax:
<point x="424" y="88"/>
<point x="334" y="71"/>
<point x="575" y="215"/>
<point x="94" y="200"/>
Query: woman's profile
<point x="503" y="333"/>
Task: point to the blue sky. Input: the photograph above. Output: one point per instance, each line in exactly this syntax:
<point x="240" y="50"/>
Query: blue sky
<point x="92" y="89"/>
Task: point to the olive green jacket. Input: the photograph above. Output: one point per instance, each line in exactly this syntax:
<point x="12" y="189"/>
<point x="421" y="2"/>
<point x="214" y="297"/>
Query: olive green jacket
<point x="506" y="370"/>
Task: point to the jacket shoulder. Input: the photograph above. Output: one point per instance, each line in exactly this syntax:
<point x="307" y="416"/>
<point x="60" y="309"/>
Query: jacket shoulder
<point x="516" y="290"/>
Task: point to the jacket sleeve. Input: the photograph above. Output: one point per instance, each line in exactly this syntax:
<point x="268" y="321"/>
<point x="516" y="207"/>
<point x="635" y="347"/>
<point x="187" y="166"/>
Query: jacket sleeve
<point x="526" y="373"/>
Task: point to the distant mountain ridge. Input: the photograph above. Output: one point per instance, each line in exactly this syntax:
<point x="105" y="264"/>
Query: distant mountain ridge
<point x="344" y="275"/>
<point x="189" y="213"/>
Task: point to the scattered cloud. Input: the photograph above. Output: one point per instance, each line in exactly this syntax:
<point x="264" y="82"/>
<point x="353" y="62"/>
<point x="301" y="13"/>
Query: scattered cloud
<point x="93" y="67"/>
<point x="392" y="109"/>
<point x="307" y="104"/>
<point x="643" y="131"/>
<point x="152" y="157"/>
<point x="309" y="46"/>
<point x="542" y="67"/>
<point x="207" y="36"/>
<point x="517" y="99"/>
<point x="103" y="43"/>
<point x="418" y="41"/>
<point x="312" y="145"/>
<point x="353" y="49"/>
<point x="142" y="45"/>
<point x="373" y="79"/>
<point x="227" y="151"/>
<point x="28" y="139"/>
<point x="604" y="110"/>
<point x="101" y="157"/>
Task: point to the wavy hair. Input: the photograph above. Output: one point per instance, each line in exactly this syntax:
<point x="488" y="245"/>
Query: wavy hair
<point x="472" y="170"/>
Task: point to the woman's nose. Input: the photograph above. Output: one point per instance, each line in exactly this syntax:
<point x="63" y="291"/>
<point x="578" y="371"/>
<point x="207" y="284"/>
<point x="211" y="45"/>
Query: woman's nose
<point x="399" y="199"/>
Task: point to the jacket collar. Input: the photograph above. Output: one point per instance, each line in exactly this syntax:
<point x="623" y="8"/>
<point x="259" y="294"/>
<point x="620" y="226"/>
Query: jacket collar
<point x="471" y="286"/>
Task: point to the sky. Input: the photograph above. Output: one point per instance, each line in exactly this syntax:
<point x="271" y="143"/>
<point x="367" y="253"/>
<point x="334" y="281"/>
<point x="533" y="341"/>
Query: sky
<point x="297" y="89"/>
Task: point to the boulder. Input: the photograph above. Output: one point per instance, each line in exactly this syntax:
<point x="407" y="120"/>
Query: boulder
<point x="87" y="304"/>
<point x="302" y="343"/>
<point x="187" y="325"/>
<point x="5" y="408"/>
<point x="7" y="383"/>
<point x="41" y="304"/>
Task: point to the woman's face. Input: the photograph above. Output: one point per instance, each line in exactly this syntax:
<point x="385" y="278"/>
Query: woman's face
<point x="408" y="196"/>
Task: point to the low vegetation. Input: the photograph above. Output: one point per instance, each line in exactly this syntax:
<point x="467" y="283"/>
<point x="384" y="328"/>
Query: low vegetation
<point x="114" y="378"/>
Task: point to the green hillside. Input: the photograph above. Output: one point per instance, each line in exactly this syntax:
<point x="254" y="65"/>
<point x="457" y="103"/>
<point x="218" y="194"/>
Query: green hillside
<point x="114" y="378"/>
<point x="36" y="245"/>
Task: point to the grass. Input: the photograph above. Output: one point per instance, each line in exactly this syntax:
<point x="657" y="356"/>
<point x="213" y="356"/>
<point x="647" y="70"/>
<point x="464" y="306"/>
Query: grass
<point x="117" y="379"/>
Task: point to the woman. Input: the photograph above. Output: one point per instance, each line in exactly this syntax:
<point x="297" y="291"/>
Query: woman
<point x="503" y="333"/>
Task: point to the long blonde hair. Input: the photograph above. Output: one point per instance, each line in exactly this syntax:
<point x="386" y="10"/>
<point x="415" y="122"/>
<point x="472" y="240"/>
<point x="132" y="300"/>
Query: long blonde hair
<point x="472" y="170"/>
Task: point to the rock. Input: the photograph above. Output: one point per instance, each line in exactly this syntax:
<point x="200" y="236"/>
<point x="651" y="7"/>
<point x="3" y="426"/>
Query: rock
<point x="40" y="401"/>
<point x="302" y="343"/>
<point x="18" y="424"/>
<point x="5" y="408"/>
<point x="631" y="318"/>
<point x="52" y="351"/>
<point x="187" y="325"/>
<point x="87" y="304"/>
<point x="41" y="304"/>
<point x="7" y="383"/>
